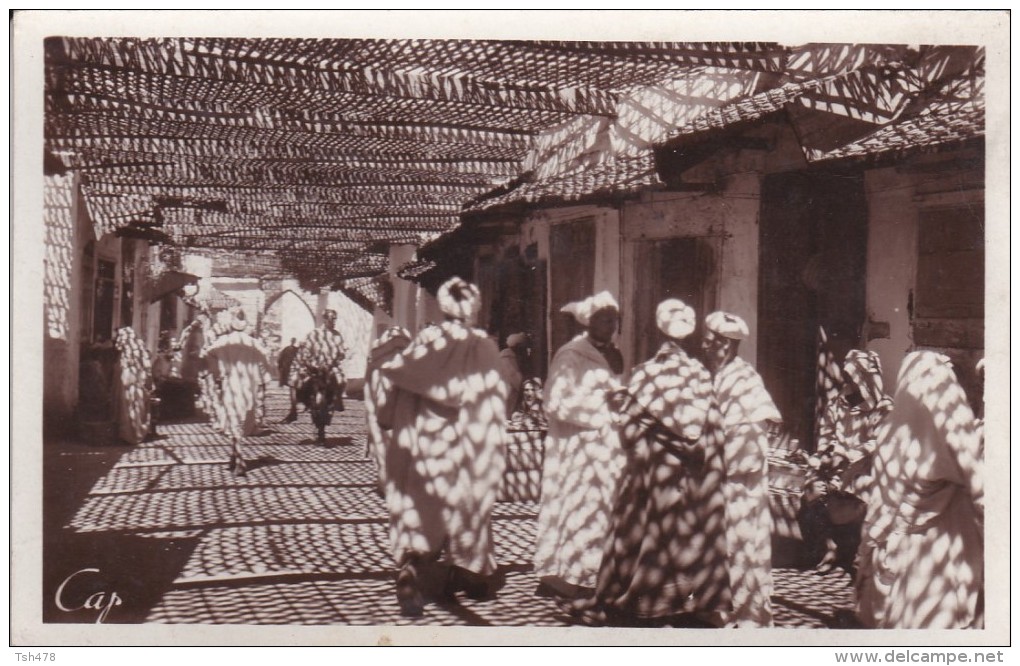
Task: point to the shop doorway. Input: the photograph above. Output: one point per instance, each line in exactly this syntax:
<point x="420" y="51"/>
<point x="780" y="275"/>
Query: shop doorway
<point x="683" y="268"/>
<point x="812" y="268"/>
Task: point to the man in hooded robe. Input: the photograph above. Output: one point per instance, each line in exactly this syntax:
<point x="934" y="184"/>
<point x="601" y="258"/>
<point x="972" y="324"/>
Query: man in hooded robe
<point x="666" y="554"/>
<point x="379" y="394"/>
<point x="921" y="561"/>
<point x="191" y="342"/>
<point x="241" y="367"/>
<point x="322" y="351"/>
<point x="513" y="361"/>
<point x="445" y="464"/>
<point x="748" y="416"/>
<point x="212" y="400"/>
<point x="842" y="462"/>
<point x="583" y="457"/>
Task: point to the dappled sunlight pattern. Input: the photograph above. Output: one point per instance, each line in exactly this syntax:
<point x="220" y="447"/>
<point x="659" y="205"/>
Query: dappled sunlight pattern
<point x="288" y="602"/>
<point x="666" y="551"/>
<point x="271" y="473"/>
<point x="230" y="505"/>
<point x="305" y="539"/>
<point x="242" y="367"/>
<point x="210" y="398"/>
<point x="143" y="455"/>
<point x="525" y="455"/>
<point x="649" y="114"/>
<point x="215" y="449"/>
<point x="921" y="562"/>
<point x="58" y="260"/>
<point x="582" y="465"/>
<point x="805" y="600"/>
<point x="446" y="462"/>
<point x="828" y="378"/>
<point x="132" y="382"/>
<point x="344" y="601"/>
<point x="290" y="549"/>
<point x="525" y="445"/>
<point x="323" y="348"/>
<point x="128" y="480"/>
<point x="747" y="408"/>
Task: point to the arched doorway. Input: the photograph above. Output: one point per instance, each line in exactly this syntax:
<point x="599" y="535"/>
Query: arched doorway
<point x="286" y="316"/>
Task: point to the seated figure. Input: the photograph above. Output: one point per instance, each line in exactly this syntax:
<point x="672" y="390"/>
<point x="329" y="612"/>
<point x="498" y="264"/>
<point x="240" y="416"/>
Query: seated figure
<point x="835" y="499"/>
<point x="529" y="416"/>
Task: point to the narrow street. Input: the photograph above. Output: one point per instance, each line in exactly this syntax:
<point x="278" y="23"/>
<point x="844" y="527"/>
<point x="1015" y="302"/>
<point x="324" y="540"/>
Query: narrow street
<point x="303" y="539"/>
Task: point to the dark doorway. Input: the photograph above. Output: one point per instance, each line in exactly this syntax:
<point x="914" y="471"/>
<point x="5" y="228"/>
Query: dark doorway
<point x="127" y="282"/>
<point x="681" y="268"/>
<point x="519" y="306"/>
<point x="571" y="274"/>
<point x="167" y="314"/>
<point x="102" y="322"/>
<point x="812" y="257"/>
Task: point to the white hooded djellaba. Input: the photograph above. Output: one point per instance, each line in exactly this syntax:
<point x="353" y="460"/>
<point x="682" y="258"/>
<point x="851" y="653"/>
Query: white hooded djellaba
<point x="921" y="561"/>
<point x="747" y="409"/>
<point x="241" y="363"/>
<point x="583" y="460"/>
<point x="446" y="460"/>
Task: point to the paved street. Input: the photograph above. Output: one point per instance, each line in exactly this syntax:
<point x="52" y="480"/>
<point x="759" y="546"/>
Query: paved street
<point x="301" y="540"/>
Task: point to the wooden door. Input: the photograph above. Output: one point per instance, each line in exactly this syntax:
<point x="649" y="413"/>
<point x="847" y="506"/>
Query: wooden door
<point x="683" y="268"/>
<point x="812" y="263"/>
<point x="571" y="275"/>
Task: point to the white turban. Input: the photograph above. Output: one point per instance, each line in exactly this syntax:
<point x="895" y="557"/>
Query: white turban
<point x="239" y="322"/>
<point x="583" y="310"/>
<point x="458" y="299"/>
<point x="573" y="309"/>
<point x="675" y="318"/>
<point x="727" y="325"/>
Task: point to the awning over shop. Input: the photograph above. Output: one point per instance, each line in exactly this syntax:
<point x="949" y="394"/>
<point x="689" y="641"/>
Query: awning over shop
<point x="324" y="152"/>
<point x="169" y="282"/>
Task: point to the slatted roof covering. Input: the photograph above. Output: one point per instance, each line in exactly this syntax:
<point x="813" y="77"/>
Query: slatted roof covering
<point x="324" y="151"/>
<point x="854" y="100"/>
<point x="320" y="149"/>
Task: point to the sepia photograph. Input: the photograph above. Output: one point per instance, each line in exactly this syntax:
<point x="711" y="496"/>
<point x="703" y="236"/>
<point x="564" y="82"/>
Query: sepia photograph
<point x="556" y="326"/>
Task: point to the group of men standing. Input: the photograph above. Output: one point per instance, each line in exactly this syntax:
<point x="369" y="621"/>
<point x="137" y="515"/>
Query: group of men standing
<point x="655" y="503"/>
<point x="654" y="484"/>
<point x="654" y="498"/>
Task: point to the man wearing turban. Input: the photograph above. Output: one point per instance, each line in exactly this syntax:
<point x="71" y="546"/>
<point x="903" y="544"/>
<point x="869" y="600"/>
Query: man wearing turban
<point x="322" y="352"/>
<point x="583" y="458"/>
<point x="748" y="416"/>
<point x="445" y="464"/>
<point x="665" y="559"/>
<point x="833" y="507"/>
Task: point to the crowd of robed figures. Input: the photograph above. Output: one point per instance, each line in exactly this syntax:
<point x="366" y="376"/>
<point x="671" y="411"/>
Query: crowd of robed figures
<point x="654" y="483"/>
